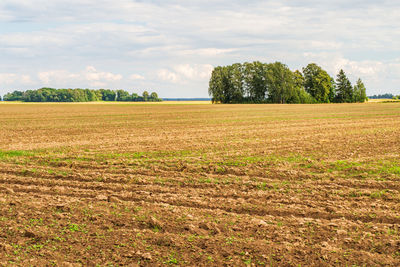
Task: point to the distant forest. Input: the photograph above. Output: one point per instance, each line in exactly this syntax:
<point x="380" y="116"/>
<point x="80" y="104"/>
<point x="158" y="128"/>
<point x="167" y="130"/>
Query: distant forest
<point x="384" y="96"/>
<point x="259" y="82"/>
<point x="79" y="95"/>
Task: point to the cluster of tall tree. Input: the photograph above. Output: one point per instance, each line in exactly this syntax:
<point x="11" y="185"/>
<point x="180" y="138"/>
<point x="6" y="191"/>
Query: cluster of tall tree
<point x="78" y="95"/>
<point x="258" y="82"/>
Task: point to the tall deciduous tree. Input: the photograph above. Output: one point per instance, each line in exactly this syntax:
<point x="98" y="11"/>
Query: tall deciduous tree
<point x="145" y="96"/>
<point x="298" y="79"/>
<point x="154" y="97"/>
<point x="318" y="83"/>
<point x="300" y="94"/>
<point x="216" y="85"/>
<point x="255" y="81"/>
<point x="360" y="94"/>
<point x="280" y="83"/>
<point x="123" y="95"/>
<point x="236" y="75"/>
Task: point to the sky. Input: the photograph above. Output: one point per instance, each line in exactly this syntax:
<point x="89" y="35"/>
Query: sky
<point x="171" y="46"/>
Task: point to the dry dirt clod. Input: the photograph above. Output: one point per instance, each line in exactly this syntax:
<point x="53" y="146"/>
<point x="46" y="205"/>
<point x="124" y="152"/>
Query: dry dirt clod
<point x="129" y="255"/>
<point x="348" y="240"/>
<point x="259" y="222"/>
<point x="9" y="191"/>
<point x="114" y="199"/>
<point x="5" y="247"/>
<point x="329" y="209"/>
<point x="195" y="230"/>
<point x="190" y="227"/>
<point x="145" y="256"/>
<point x="324" y="244"/>
<point x="29" y="234"/>
<point x="69" y="264"/>
<point x="62" y="207"/>
<point x="341" y="232"/>
<point x="205" y="226"/>
<point x="217" y="230"/>
<point x="153" y="222"/>
<point x="102" y="197"/>
<point x="59" y="216"/>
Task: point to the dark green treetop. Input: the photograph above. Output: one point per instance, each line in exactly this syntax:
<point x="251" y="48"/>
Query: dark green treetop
<point x="318" y="83"/>
<point x="344" y="89"/>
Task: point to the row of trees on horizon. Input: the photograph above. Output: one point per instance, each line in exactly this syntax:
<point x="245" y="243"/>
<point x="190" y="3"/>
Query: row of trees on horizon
<point x="385" y="96"/>
<point x="258" y="82"/>
<point x="79" y="95"/>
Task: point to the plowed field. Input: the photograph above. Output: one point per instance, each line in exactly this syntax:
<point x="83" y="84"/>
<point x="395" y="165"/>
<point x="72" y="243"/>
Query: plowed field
<point x="168" y="184"/>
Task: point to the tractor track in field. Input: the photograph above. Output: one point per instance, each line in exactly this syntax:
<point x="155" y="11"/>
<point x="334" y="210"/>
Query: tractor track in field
<point x="156" y="194"/>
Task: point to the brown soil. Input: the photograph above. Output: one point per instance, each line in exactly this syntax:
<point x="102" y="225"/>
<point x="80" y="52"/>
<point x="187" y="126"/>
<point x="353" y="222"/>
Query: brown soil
<point x="277" y="185"/>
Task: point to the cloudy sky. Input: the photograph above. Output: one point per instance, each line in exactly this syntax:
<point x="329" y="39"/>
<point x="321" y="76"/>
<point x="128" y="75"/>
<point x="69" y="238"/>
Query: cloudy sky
<point x="171" y="46"/>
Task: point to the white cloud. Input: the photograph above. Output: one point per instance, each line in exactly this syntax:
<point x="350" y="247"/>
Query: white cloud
<point x="362" y="68"/>
<point x="26" y="79"/>
<point x="331" y="45"/>
<point x="333" y="62"/>
<point x="167" y="76"/>
<point x="186" y="73"/>
<point x="372" y="72"/>
<point x="136" y="77"/>
<point x="56" y="77"/>
<point x="8" y="78"/>
<point x="194" y="72"/>
<point x="206" y="51"/>
<point x="90" y="76"/>
<point x="15" y="79"/>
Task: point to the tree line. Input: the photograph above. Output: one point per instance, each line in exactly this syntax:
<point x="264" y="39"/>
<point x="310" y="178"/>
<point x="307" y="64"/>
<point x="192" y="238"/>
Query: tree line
<point x="384" y="96"/>
<point x="256" y="82"/>
<point x="79" y="95"/>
